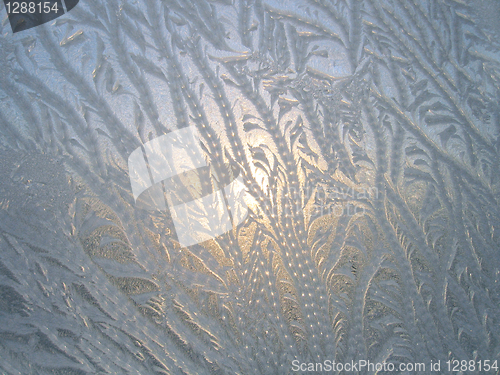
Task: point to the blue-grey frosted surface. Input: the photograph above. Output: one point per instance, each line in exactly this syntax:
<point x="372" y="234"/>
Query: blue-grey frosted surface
<point x="367" y="133"/>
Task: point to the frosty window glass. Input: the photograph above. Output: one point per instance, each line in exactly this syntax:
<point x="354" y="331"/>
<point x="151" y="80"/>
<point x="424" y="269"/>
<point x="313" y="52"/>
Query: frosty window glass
<point x="250" y="187"/>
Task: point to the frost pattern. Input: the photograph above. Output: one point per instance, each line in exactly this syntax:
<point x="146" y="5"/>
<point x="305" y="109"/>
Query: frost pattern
<point x="367" y="132"/>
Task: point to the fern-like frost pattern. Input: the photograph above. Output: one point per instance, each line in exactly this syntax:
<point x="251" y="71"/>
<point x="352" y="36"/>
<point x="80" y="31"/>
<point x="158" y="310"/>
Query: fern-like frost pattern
<point x="365" y="134"/>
